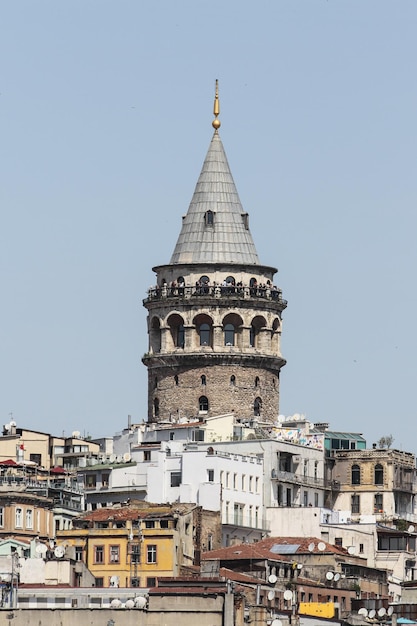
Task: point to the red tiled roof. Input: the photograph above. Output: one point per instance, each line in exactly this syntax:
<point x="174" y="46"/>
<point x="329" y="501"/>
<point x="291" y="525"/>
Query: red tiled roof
<point x="274" y="548"/>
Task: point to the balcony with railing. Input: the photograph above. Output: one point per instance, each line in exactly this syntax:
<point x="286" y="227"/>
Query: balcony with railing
<point x="240" y="292"/>
<point x="298" y="479"/>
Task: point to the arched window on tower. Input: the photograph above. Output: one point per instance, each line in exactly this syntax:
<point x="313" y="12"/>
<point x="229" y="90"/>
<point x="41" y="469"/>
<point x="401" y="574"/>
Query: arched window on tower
<point x="229" y="335"/>
<point x="205" y="335"/>
<point x="257" y="381"/>
<point x="155" y="335"/>
<point x="232" y="329"/>
<point x="356" y="475"/>
<point x="233" y="380"/>
<point x="257" y="324"/>
<point x="155" y="382"/>
<point x="156" y="407"/>
<point x="176" y="380"/>
<point x="379" y="474"/>
<point x="209" y="218"/>
<point x="203" y="379"/>
<point x="176" y="326"/>
<point x="257" y="406"/>
<point x="203" y="404"/>
<point x="204" y="327"/>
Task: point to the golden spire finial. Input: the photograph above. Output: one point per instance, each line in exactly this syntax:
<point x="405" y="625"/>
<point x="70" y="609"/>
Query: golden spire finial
<point x="216" y="109"/>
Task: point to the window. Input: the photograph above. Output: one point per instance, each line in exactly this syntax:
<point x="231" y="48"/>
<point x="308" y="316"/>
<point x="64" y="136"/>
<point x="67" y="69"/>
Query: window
<point x="156" y="407"/>
<point x="172" y="435"/>
<point x="238" y="514"/>
<point x="252" y="336"/>
<point x="209" y="542"/>
<point x="78" y="553"/>
<point x="98" y="554"/>
<point x="150" y="523"/>
<point x="203" y="379"/>
<point x="227" y="480"/>
<point x="1" y="517"/>
<point x="99" y="582"/>
<point x="250" y="483"/>
<point x="233" y="381"/>
<point x="243" y="482"/>
<point x="90" y="481"/>
<point x="29" y="518"/>
<point x="146" y="455"/>
<point x="210" y="475"/>
<point x="229" y="335"/>
<point x="176" y="380"/>
<point x="338" y="542"/>
<point x="105" y="480"/>
<point x="197" y="435"/>
<point x="164" y="523"/>
<point x="180" y="338"/>
<point x="356" y="475"/>
<point x="155" y="382"/>
<point x="175" y="479"/>
<point x="378" y="503"/>
<point x="151" y="581"/>
<point x="234" y="481"/>
<point x="257" y="484"/>
<point x="361" y="550"/>
<point x="257" y="406"/>
<point x="203" y="404"/>
<point x="114" y="554"/>
<point x="18" y="518"/>
<point x="36" y="458"/>
<point x="257" y="381"/>
<point x="355" y="504"/>
<point x="316" y="499"/>
<point x="209" y="218"/>
<point x="151" y="553"/>
<point x="205" y="335"/>
<point x="379" y="474"/>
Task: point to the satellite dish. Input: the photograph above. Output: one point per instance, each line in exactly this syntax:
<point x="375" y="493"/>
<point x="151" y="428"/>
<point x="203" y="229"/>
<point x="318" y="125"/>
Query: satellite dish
<point x="119" y="458"/>
<point x="299" y="566"/>
<point x="129" y="604"/>
<point x="59" y="552"/>
<point x="114" y="581"/>
<point x="271" y="594"/>
<point x="288" y="594"/>
<point x="411" y="528"/>
<point x="41" y="548"/>
<point x="329" y="575"/>
<point x="363" y="612"/>
<point x="140" y="602"/>
<point x="127" y="457"/>
<point x="336" y="577"/>
<point x="112" y="458"/>
<point x="51" y="544"/>
<point x="321" y="546"/>
<point x="381" y="611"/>
<point x="76" y="434"/>
<point x="390" y="610"/>
<point x="272" y="579"/>
<point x="311" y="547"/>
<point x="351" y="549"/>
<point x="371" y="613"/>
<point x="115" y="603"/>
<point x="276" y="622"/>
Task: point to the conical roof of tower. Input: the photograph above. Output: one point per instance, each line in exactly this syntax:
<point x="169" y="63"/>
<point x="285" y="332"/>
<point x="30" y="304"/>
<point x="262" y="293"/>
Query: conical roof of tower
<point x="224" y="237"/>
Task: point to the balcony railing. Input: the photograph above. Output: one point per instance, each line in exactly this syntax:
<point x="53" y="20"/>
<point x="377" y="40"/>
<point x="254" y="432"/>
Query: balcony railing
<point x="246" y="521"/>
<point x="297" y="479"/>
<point x="217" y="291"/>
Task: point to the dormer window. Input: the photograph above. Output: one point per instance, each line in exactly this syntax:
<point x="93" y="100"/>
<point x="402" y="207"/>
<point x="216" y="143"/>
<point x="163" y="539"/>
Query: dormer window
<point x="209" y="218"/>
<point x="245" y="220"/>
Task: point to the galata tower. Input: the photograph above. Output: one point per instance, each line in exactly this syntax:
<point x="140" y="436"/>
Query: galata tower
<point x="215" y="313"/>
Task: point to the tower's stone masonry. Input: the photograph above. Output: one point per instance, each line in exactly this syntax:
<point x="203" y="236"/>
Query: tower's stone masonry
<point x="215" y="314"/>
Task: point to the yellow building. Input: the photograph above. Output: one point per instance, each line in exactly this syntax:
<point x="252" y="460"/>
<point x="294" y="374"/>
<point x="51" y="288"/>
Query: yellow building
<point x="134" y="545"/>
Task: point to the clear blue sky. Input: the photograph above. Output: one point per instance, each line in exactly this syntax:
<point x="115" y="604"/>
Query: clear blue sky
<point x="105" y="112"/>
